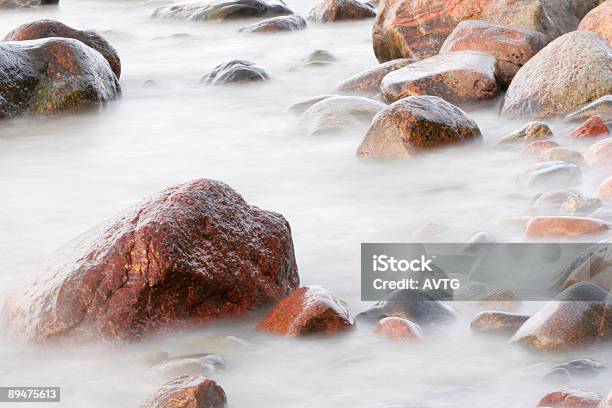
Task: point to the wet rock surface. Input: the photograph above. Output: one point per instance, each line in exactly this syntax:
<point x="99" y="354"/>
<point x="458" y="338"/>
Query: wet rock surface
<point x="220" y="10"/>
<point x="575" y="369"/>
<point x="338" y="113"/>
<point x="593" y="127"/>
<point x="458" y="77"/>
<point x="307" y="311"/>
<point x="235" y="71"/>
<point x="328" y="11"/>
<point x="396" y="328"/>
<point x="564" y="226"/>
<point x="188" y="392"/>
<point x="532" y="131"/>
<point x="497" y="323"/>
<point x="368" y="82"/>
<point x="276" y="24"/>
<point x="592" y="266"/>
<point x="193" y="253"/>
<point x="52" y="75"/>
<point x="598" y="21"/>
<point x="415" y="124"/>
<point x="51" y="28"/>
<point x="511" y="46"/>
<point x="571" y="71"/>
<point x="573" y="398"/>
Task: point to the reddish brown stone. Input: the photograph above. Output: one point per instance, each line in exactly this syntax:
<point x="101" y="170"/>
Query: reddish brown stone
<point x="308" y="310"/>
<point x="538" y="147"/>
<point x="599" y="155"/>
<point x="276" y="24"/>
<point x="497" y="323"/>
<point x="188" y="392"/>
<point x="574" y="398"/>
<point x="50" y="28"/>
<point x="604" y="191"/>
<point x="564" y="227"/>
<point x="458" y="77"/>
<point x="598" y="21"/>
<point x="511" y="46"/>
<point x="193" y="253"/>
<point x="328" y="11"/>
<point x="397" y="328"/>
<point x="368" y="82"/>
<point x="593" y="127"/>
<point x="415" y="124"/>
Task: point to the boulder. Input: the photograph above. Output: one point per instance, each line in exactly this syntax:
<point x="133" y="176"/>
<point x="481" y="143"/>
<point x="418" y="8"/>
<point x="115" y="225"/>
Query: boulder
<point x="593" y="127"/>
<point x="550" y="175"/>
<point x="11" y="4"/>
<point x="51" y="28"/>
<point x="540" y="227"/>
<point x="579" y="316"/>
<point x="558" y="153"/>
<point x="328" y="11"/>
<point x="601" y="107"/>
<point x="219" y="10"/>
<point x="530" y="132"/>
<point x="396" y="328"/>
<point x="319" y="57"/>
<point x="498" y="323"/>
<point x="235" y="71"/>
<point x="308" y="310"/>
<point x="276" y="24"/>
<point x="538" y="148"/>
<point x="573" y="398"/>
<point x="511" y="46"/>
<point x="415" y="124"/>
<point x="604" y="191"/>
<point x="339" y="113"/>
<point x="193" y="253"/>
<point x="52" y="75"/>
<point x="300" y="107"/>
<point x="368" y="81"/>
<point x="188" y="392"/>
<point x="599" y="155"/>
<point x="598" y="21"/>
<point x="458" y="77"/>
<point x="571" y="71"/>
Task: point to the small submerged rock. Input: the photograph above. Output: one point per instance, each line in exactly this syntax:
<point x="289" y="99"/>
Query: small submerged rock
<point x="497" y="323"/>
<point x="499" y="299"/>
<point x="599" y="155"/>
<point x="598" y="21"/>
<point x="601" y="107"/>
<point x="368" y="82"/>
<point x="308" y="310"/>
<point x="550" y="175"/>
<point x="219" y="344"/>
<point x="458" y="77"/>
<point x="300" y="107"/>
<point x="580" y="368"/>
<point x="572" y="398"/>
<point x="593" y="127"/>
<point x="415" y="124"/>
<point x="532" y="131"/>
<point x="51" y="28"/>
<point x="580" y="205"/>
<point x="564" y="154"/>
<point x="219" y="10"/>
<point x="339" y="113"/>
<point x="197" y="364"/>
<point x="328" y="11"/>
<point x="604" y="191"/>
<point x="396" y="328"/>
<point x="235" y="71"/>
<point x="564" y="226"/>
<point x="189" y="392"/>
<point x="319" y="57"/>
<point x="539" y="147"/>
<point x="276" y="24"/>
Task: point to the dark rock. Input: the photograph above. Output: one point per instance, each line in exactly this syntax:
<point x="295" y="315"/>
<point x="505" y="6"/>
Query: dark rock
<point x="319" y="57"/>
<point x="550" y="175"/>
<point x="571" y="71"/>
<point x="188" y="392"/>
<point x="235" y="71"/>
<point x="530" y="132"/>
<point x="598" y="21"/>
<point x="12" y="4"/>
<point x="458" y="77"/>
<point x="219" y="10"/>
<point x="574" y="398"/>
<point x="50" y="28"/>
<point x="339" y="113"/>
<point x="511" y="46"/>
<point x="276" y="24"/>
<point x="584" y="367"/>
<point x="601" y="107"/>
<point x="308" y="310"/>
<point x="501" y="323"/>
<point x="52" y="75"/>
<point x="415" y="124"/>
<point x="368" y="81"/>
<point x="193" y="253"/>
<point x="328" y="11"/>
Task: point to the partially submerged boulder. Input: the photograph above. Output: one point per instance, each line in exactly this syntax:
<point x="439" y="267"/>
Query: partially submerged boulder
<point x="193" y="253"/>
<point x="572" y="398"/>
<point x="396" y="328"/>
<point x="559" y="153"/>
<point x="571" y="71"/>
<point x="415" y="124"/>
<point x="235" y="71"/>
<point x="604" y="191"/>
<point x="339" y="113"/>
<point x="532" y="131"/>
<point x="188" y="392"/>
<point x="550" y="175"/>
<point x="276" y="24"/>
<point x="219" y="10"/>
<point x="52" y="75"/>
<point x="51" y="28"/>
<point x="497" y="323"/>
<point x="368" y="82"/>
<point x="539" y="147"/>
<point x="308" y="310"/>
<point x="328" y="11"/>
<point x="564" y="226"/>
<point x="458" y="77"/>
<point x="598" y="21"/>
<point x="593" y="127"/>
<point x="599" y="155"/>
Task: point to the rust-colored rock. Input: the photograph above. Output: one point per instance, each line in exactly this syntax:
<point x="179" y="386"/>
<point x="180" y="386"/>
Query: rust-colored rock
<point x="235" y="71"/>
<point x="579" y="316"/>
<point x="458" y="77"/>
<point x="532" y="131"/>
<point x="51" y="28"/>
<point x="599" y="155"/>
<point x="368" y="81"/>
<point x="593" y="127"/>
<point x="328" y="11"/>
<point x="511" y="46"/>
<point x="188" y="392"/>
<point x="573" y="398"/>
<point x="276" y="24"/>
<point x="501" y="323"/>
<point x="52" y="75"/>
<point x="308" y="310"/>
<point x="415" y="124"/>
<point x="604" y="191"/>
<point x="193" y="253"/>
<point x="564" y="227"/>
<point x="598" y="21"/>
<point x="396" y="328"/>
<point x="538" y="147"/>
<point x="571" y="71"/>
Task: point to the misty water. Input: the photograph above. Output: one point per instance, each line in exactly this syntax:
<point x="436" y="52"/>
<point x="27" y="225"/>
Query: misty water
<point x="60" y="176"/>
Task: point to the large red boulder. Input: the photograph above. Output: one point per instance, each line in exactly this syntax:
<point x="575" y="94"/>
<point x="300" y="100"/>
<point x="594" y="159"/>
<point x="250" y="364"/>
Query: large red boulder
<point x="598" y="21"/>
<point x="188" y="392"/>
<point x="193" y="253"/>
